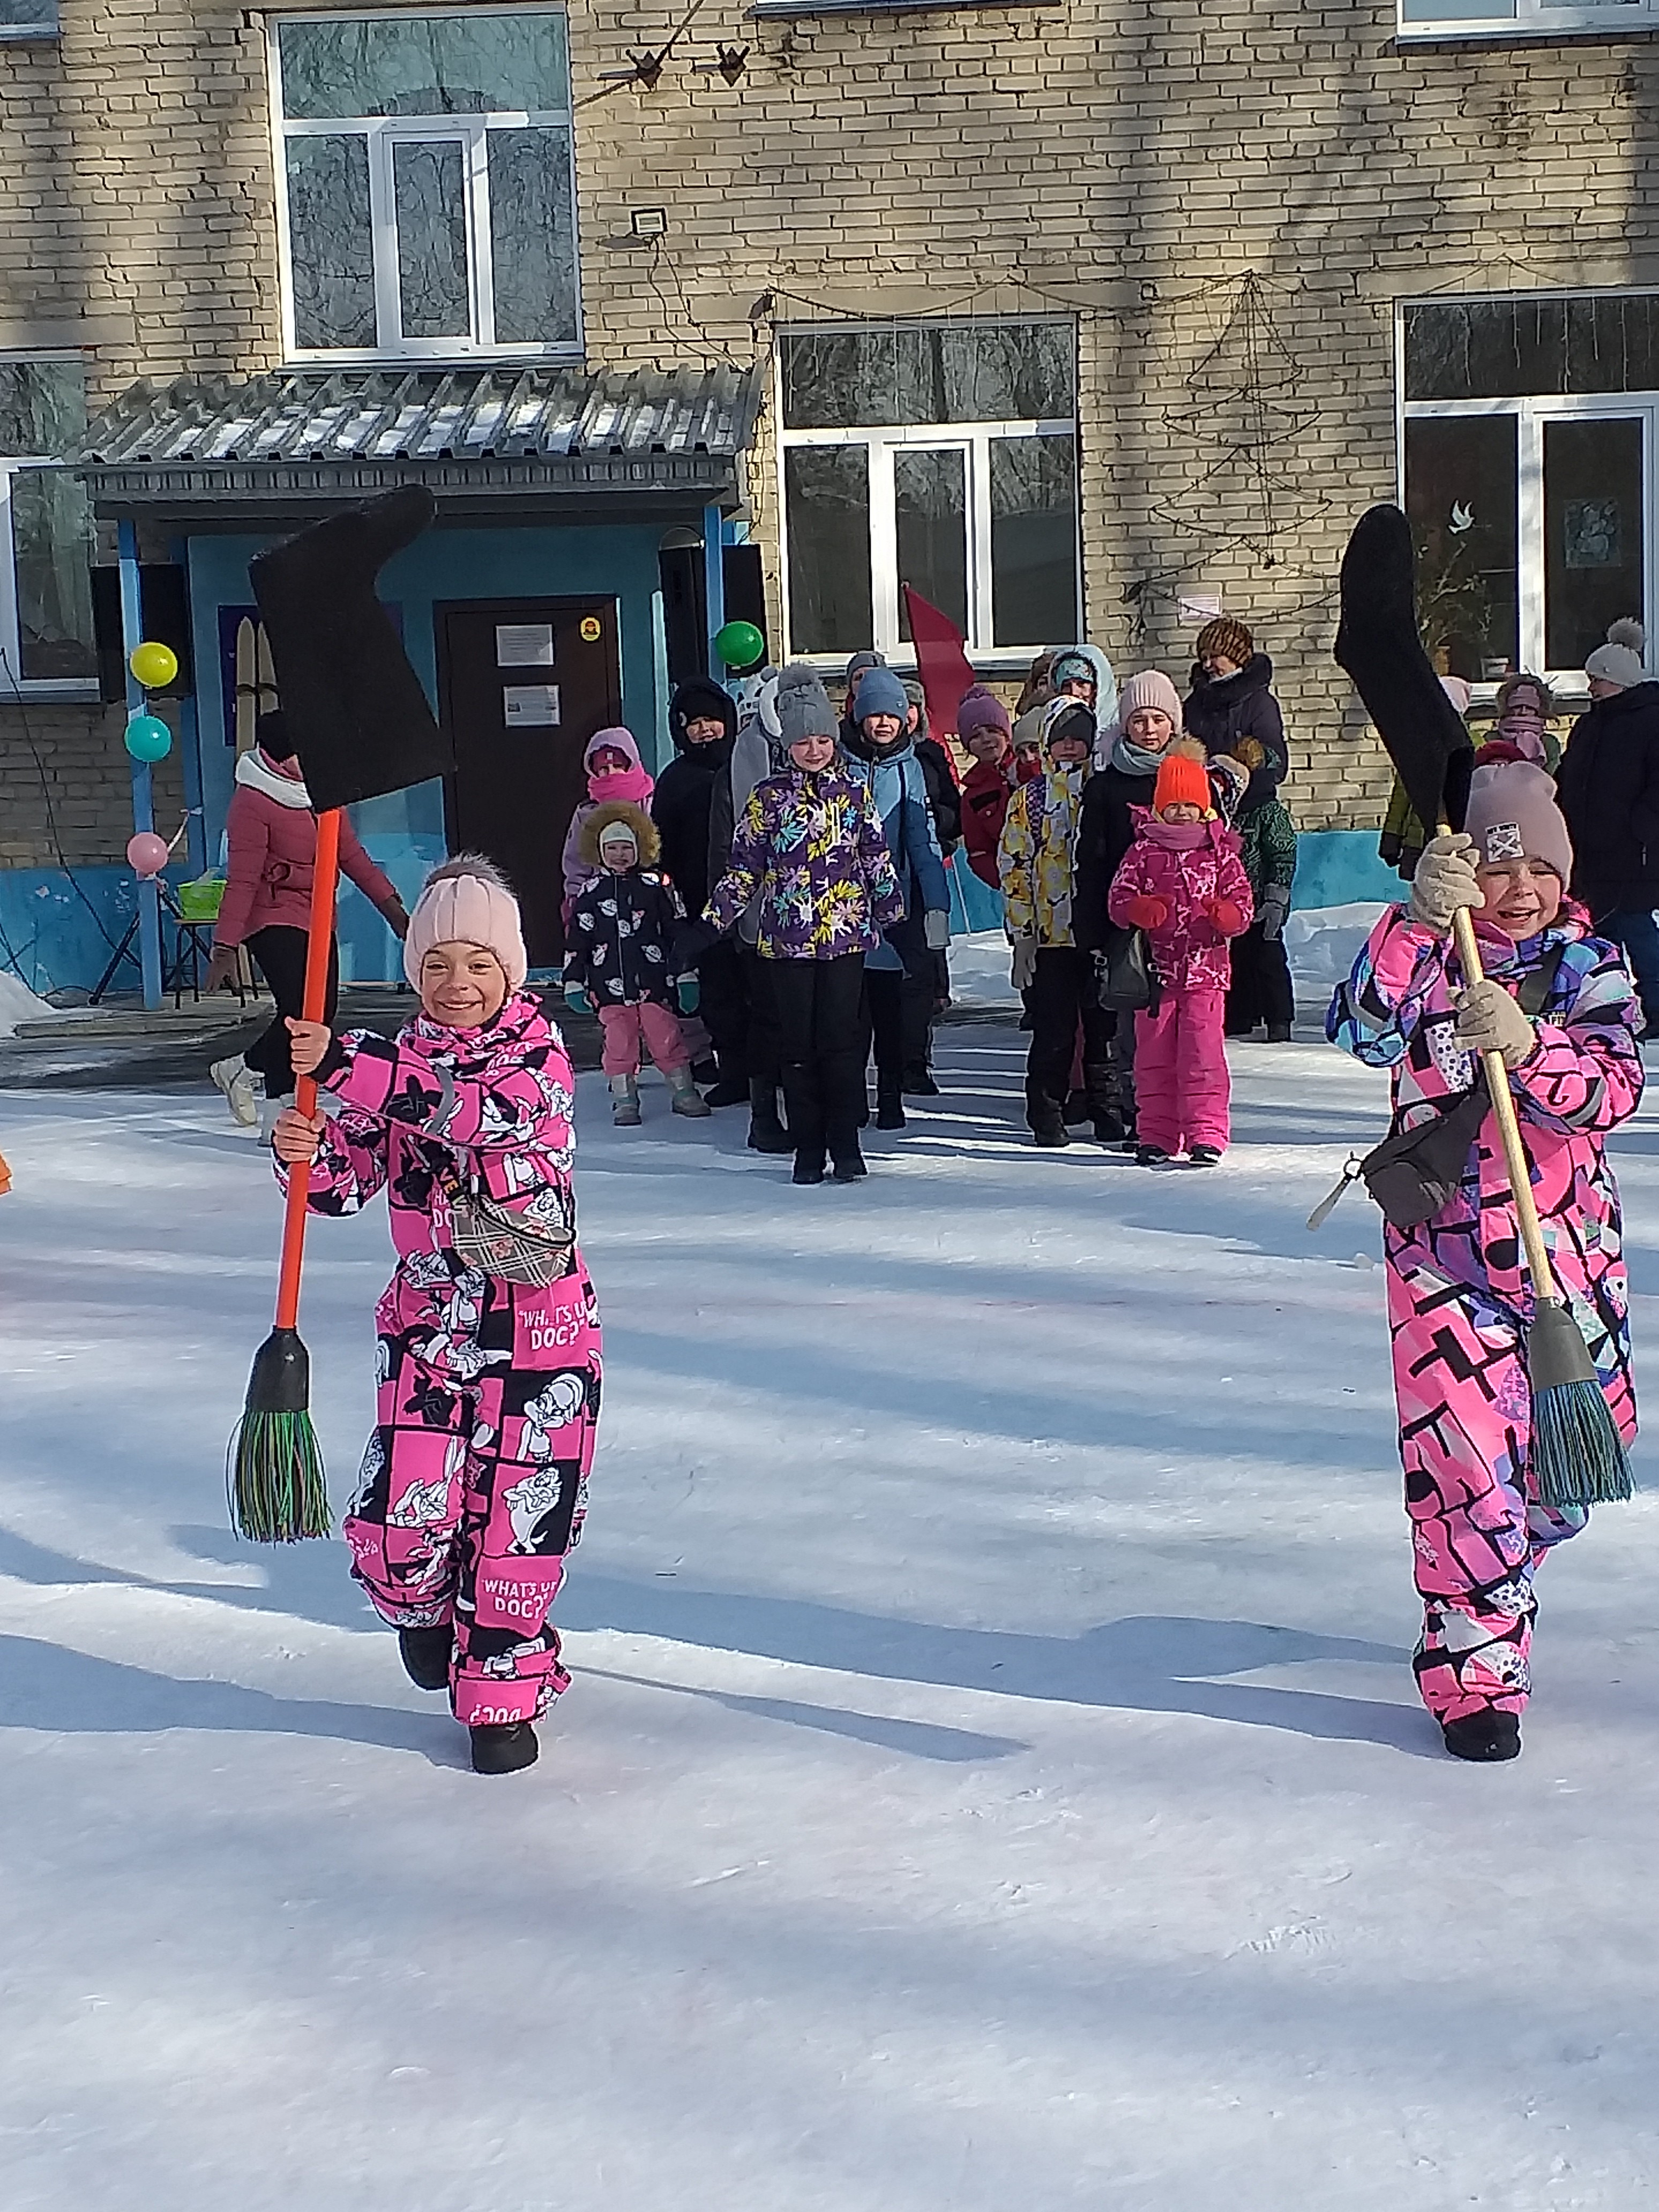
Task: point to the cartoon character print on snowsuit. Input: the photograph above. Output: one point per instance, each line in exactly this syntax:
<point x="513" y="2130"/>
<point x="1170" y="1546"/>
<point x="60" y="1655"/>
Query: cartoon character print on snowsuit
<point x="1459" y="1302"/>
<point x="474" y="1482"/>
<point x="1183" y="1093"/>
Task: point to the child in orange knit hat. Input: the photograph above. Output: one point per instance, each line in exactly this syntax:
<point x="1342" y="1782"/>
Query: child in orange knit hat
<point x="1182" y="882"/>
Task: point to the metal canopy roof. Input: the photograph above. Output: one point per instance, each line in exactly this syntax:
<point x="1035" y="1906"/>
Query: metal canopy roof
<point x="536" y="440"/>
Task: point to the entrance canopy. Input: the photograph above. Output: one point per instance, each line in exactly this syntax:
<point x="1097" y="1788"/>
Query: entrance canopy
<point x="507" y="445"/>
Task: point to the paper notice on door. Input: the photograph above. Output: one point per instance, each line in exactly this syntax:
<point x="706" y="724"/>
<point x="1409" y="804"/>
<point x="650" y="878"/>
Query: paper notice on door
<point x="523" y="645"/>
<point x="531" y="706"/>
<point x="1199" y="606"/>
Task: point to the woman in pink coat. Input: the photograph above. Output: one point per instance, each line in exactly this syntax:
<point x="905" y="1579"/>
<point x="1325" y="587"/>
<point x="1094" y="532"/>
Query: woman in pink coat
<point x="1184" y="883"/>
<point x="272" y="834"/>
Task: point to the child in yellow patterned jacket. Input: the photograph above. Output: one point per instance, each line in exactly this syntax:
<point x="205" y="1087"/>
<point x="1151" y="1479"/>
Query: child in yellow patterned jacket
<point x="1036" y="861"/>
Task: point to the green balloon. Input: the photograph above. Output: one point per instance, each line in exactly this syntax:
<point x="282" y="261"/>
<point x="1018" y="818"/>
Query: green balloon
<point x="148" y="737"/>
<point x="739" y="645"/>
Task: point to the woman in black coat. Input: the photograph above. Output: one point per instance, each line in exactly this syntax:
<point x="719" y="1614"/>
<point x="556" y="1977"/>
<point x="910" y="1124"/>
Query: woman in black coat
<point x="1232" y="708"/>
<point x="1608" y="781"/>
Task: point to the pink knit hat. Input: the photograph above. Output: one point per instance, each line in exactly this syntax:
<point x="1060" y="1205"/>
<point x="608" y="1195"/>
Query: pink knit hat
<point x="1512" y="815"/>
<point x="466" y="902"/>
<point x="1151" y="687"/>
<point x="982" y="710"/>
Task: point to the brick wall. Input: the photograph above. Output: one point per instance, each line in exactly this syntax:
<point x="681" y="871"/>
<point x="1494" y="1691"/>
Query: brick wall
<point x="1127" y="163"/>
<point x="67" y="787"/>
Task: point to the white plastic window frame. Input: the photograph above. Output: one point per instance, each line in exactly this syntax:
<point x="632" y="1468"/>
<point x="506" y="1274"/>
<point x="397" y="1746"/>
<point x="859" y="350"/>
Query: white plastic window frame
<point x="382" y="133"/>
<point x="1530" y="417"/>
<point x="48" y="27"/>
<point x="883" y="441"/>
<point x="13" y="684"/>
<point x="1536" y="18"/>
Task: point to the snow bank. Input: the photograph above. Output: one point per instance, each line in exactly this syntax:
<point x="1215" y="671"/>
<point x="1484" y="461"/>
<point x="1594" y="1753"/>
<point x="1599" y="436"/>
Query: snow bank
<point x="19" y="1004"/>
<point x="979" y="972"/>
<point x="1321" y="943"/>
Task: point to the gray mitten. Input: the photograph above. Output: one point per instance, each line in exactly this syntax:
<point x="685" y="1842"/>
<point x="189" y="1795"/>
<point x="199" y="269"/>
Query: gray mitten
<point x="1024" y="969"/>
<point x="936" y="929"/>
<point x="1445" y="880"/>
<point x="1275" y="905"/>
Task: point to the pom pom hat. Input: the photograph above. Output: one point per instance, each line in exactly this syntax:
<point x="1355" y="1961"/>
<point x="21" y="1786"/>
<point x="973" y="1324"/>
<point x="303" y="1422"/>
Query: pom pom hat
<point x="466" y="902"/>
<point x="1182" y="782"/>
<point x="1620" y="661"/>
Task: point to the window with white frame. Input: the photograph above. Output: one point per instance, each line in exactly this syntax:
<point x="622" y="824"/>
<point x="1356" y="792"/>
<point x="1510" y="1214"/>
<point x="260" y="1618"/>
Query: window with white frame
<point x="46" y="532"/>
<point x="940" y="455"/>
<point x="29" y="19"/>
<point x="1529" y="441"/>
<point x="428" y="201"/>
<point x="1513" y="19"/>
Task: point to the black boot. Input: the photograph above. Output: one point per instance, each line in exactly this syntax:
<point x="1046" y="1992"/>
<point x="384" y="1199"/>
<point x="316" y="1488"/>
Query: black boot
<point x="733" y="1088"/>
<point x="919" y="1083"/>
<point x="889" y="1107"/>
<point x="804" y="1097"/>
<point x="425" y="1654"/>
<point x="843" y="1095"/>
<point x="1046" y="1122"/>
<point x="1485" y="1737"/>
<point x="1100" y="1087"/>
<point x="503" y="1747"/>
<point x="766" y="1131"/>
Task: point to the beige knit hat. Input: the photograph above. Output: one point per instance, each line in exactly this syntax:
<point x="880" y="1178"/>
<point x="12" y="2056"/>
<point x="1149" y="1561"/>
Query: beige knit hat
<point x="466" y="902"/>
<point x="1512" y="816"/>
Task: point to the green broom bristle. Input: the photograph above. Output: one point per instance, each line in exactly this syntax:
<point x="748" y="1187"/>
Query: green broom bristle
<point x="278" y="1492"/>
<point x="275" y="1471"/>
<point x="1578" y="1457"/>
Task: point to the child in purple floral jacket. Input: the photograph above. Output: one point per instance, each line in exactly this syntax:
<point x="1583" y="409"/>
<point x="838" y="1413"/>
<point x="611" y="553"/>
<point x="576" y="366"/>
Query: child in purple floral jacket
<point x="811" y="852"/>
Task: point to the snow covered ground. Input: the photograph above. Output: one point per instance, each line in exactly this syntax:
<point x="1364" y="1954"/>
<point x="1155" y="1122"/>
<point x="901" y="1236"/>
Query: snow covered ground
<point x="992" y="1777"/>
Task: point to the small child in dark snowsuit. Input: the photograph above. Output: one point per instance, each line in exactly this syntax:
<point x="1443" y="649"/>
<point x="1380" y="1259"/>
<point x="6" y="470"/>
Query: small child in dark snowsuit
<point x="622" y="931"/>
<point x="1182" y="882"/>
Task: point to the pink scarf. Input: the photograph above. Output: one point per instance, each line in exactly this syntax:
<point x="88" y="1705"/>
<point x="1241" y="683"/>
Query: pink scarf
<point x="631" y="783"/>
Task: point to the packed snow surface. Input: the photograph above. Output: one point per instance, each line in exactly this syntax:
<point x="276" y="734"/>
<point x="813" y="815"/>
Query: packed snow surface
<point x="992" y="1780"/>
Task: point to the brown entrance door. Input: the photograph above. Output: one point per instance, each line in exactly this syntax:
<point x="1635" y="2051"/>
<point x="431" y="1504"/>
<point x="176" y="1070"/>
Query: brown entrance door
<point x="523" y="685"/>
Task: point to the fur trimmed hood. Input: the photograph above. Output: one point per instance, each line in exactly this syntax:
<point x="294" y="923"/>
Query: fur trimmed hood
<point x="619" y="810"/>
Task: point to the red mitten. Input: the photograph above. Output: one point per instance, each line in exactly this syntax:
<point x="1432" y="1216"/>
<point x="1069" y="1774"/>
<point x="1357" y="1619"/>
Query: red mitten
<point x="1145" y="912"/>
<point x="1228" y="918"/>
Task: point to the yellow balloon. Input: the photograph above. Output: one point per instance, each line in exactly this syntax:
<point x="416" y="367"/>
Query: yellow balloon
<point x="155" y="666"/>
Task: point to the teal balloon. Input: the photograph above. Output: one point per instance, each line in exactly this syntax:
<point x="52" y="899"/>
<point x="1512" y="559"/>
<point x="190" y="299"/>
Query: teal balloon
<point x="148" y="738"/>
<point x="739" y="645"/>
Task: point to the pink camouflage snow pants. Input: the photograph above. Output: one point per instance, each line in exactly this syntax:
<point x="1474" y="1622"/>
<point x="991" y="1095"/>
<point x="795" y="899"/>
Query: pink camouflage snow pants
<point x="473" y="1490"/>
<point x="1182" y="1089"/>
<point x="1465" y="1405"/>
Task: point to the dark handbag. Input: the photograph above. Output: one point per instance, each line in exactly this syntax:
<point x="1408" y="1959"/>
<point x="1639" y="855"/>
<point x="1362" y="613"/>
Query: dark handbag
<point x="512" y="1246"/>
<point x="1414" y="1172"/>
<point x="1126" y="981"/>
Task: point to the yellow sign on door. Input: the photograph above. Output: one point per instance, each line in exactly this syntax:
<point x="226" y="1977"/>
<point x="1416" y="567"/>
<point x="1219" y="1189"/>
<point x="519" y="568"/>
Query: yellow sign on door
<point x="592" y="629"/>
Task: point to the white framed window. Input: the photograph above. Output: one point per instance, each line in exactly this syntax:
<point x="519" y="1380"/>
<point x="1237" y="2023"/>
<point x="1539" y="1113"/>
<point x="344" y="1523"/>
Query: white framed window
<point x="426" y="205"/>
<point x="29" y="19"/>
<point x="46" y="646"/>
<point x="1529" y="436"/>
<point x="942" y="455"/>
<point x="1519" y="19"/>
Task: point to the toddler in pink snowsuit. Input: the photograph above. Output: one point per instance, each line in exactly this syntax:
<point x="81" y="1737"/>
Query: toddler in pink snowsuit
<point x="1459" y="1302"/>
<point x="1183" y="882"/>
<point x="475" y="1481"/>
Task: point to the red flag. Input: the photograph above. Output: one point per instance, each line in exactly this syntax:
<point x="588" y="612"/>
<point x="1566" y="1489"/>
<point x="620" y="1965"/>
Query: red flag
<point x="941" y="663"/>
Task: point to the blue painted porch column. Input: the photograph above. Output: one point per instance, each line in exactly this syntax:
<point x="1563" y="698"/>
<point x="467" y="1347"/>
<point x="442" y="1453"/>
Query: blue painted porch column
<point x="714" y="584"/>
<point x="144" y="800"/>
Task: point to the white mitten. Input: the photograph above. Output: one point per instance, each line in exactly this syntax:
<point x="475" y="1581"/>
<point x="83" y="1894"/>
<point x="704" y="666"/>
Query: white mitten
<point x="1488" y="1020"/>
<point x="936" y="929"/>
<point x="1445" y="880"/>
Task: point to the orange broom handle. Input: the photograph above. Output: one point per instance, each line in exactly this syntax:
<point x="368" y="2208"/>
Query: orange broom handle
<point x="320" y="939"/>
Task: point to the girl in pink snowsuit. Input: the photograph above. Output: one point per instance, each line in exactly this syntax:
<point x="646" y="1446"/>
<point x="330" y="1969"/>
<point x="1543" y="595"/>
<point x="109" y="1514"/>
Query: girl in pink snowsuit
<point x="475" y="1481"/>
<point x="1459" y="1302"/>
<point x="1182" y="882"/>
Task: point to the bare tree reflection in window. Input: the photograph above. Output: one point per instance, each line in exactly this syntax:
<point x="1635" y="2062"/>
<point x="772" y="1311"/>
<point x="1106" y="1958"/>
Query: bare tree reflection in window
<point x="1033" y="538"/>
<point x="427" y="178"/>
<point x="330" y="241"/>
<point x="827" y="507"/>
<point x="532" y="228"/>
<point x="425" y="65"/>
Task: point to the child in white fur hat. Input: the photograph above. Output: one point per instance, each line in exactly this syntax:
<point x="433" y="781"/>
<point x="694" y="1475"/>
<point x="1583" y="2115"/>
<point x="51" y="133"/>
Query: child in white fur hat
<point x="475" y="1481"/>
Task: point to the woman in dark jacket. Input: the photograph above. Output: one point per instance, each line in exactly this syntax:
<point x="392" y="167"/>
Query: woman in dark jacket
<point x="1232" y="708"/>
<point x="1608" y="781"/>
<point x="702" y="720"/>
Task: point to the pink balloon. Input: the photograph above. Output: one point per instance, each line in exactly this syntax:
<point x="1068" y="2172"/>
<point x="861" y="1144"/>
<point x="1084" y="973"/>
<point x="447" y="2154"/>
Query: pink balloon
<point x="148" y="853"/>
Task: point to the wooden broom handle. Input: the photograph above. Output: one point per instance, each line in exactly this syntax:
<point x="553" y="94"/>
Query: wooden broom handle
<point x="319" y="940"/>
<point x="1509" y="1125"/>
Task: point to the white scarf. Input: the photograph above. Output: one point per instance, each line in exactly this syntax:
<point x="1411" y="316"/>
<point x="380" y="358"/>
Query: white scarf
<point x="254" y="770"/>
